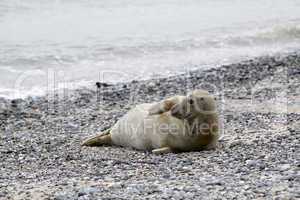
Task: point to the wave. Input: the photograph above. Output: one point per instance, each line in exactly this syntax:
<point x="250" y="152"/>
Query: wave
<point x="276" y="35"/>
<point x="139" y="47"/>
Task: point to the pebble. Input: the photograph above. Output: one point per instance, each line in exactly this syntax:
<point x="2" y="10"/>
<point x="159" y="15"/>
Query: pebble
<point x="284" y="167"/>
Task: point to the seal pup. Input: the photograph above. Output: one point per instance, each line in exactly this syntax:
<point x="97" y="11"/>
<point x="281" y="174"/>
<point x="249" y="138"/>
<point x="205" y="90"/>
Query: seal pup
<point x="177" y="124"/>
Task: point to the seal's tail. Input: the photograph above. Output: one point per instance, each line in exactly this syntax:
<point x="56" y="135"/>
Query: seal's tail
<point x="98" y="140"/>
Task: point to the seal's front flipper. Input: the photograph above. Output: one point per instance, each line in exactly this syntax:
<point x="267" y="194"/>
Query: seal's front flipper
<point x="162" y="150"/>
<point x="161" y="107"/>
<point x="156" y="109"/>
<point x="98" y="140"/>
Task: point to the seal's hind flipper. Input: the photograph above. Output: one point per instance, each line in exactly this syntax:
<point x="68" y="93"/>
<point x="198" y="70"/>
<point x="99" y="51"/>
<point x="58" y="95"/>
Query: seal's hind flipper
<point x="98" y="140"/>
<point x="162" y="150"/>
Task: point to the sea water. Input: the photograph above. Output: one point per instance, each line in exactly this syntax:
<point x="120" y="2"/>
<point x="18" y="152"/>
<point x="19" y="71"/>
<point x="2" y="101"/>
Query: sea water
<point x="74" y="43"/>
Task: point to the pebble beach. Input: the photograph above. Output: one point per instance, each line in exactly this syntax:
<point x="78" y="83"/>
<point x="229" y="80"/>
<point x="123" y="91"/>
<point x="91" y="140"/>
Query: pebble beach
<point x="258" y="155"/>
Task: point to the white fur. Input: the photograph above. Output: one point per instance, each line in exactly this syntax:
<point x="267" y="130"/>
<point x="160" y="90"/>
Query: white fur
<point x="142" y="131"/>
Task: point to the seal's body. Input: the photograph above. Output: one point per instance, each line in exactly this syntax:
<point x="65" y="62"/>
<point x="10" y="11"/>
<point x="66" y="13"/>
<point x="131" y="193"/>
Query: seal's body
<point x="142" y="131"/>
<point x="180" y="123"/>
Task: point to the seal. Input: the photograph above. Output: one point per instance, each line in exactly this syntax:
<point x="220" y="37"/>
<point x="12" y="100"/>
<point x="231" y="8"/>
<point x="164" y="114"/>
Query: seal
<point x="176" y="124"/>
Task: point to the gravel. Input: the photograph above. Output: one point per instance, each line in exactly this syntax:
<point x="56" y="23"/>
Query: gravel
<point x="258" y="156"/>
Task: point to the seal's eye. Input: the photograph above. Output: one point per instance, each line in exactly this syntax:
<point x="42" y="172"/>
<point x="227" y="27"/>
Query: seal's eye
<point x="201" y="98"/>
<point x="191" y="101"/>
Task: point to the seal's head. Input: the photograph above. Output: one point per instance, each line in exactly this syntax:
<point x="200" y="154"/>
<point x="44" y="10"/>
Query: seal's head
<point x="198" y="102"/>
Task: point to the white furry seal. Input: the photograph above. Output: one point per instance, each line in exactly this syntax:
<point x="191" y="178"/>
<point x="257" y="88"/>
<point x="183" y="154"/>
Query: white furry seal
<point x="177" y="124"/>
